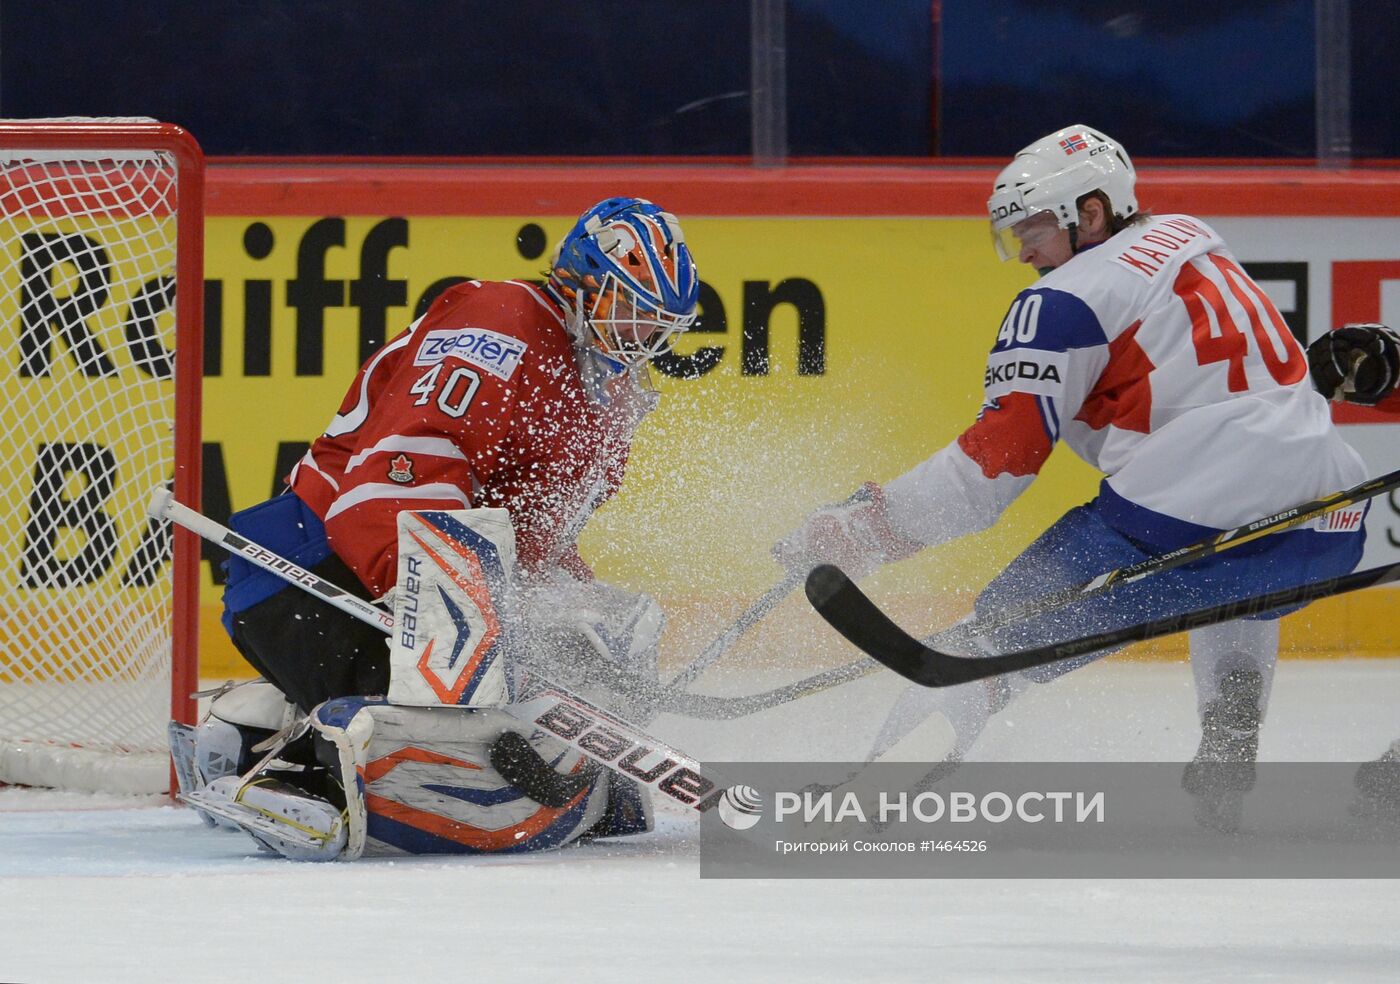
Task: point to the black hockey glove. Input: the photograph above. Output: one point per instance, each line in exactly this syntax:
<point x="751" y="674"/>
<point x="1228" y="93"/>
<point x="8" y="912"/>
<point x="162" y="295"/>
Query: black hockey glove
<point x="1356" y="363"/>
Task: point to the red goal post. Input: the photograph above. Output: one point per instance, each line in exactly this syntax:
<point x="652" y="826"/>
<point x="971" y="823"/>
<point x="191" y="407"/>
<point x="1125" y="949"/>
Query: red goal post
<point x="101" y="297"/>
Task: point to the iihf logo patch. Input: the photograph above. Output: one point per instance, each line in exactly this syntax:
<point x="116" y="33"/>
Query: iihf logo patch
<point x="1074" y="142"/>
<point x="401" y="469"/>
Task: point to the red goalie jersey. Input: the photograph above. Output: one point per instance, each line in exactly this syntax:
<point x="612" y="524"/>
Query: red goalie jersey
<point x="479" y="403"/>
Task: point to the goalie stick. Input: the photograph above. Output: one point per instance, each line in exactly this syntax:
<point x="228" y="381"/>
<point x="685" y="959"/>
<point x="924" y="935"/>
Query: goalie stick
<point x="846" y="608"/>
<point x="598" y="734"/>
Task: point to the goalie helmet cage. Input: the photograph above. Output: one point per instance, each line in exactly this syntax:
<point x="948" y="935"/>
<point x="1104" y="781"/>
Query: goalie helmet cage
<point x="101" y="295"/>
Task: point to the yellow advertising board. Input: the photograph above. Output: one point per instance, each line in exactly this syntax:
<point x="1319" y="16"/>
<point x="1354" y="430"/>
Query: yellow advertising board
<point x="902" y="314"/>
<point x="830" y="351"/>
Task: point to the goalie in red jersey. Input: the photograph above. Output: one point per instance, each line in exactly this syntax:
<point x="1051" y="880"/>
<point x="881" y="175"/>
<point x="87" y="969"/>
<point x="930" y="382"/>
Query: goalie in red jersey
<point x="502" y="395"/>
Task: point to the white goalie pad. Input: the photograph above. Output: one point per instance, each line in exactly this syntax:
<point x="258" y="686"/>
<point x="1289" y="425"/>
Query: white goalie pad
<point x="452" y="609"/>
<point x="424" y="783"/>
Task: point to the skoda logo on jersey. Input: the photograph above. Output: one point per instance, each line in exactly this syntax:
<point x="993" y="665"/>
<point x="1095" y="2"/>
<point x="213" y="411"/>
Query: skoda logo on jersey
<point x="1025" y="370"/>
<point x="1022" y="369"/>
<point x="498" y="354"/>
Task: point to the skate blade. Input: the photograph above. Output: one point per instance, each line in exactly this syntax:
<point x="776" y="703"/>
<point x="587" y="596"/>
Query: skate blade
<point x="270" y="833"/>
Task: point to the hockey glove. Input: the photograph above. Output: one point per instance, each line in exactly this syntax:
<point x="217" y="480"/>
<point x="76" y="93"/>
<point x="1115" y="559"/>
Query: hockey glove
<point x="1358" y="363"/>
<point x="855" y="535"/>
<point x="620" y="627"/>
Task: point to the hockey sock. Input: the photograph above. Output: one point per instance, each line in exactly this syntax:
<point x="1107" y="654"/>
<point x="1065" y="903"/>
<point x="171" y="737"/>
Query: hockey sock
<point x="1244" y="646"/>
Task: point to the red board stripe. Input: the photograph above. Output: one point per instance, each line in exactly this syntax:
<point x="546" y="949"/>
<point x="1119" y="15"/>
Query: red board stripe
<point x="427" y="189"/>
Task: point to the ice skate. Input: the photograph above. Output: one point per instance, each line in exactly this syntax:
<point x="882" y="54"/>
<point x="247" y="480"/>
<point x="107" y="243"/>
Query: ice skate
<point x="1378" y="787"/>
<point x="1223" y="769"/>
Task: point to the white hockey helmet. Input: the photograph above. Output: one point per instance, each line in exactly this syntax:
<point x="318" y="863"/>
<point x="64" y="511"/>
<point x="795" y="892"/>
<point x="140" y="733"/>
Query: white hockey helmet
<point x="1052" y="174"/>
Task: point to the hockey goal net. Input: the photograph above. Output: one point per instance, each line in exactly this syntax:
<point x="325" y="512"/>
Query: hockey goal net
<point x="101" y="240"/>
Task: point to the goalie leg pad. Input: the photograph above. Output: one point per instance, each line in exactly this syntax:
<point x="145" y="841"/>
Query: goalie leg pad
<point x="422" y="781"/>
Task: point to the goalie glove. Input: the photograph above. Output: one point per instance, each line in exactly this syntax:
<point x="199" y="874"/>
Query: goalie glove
<point x="855" y="535"/>
<point x="1357" y="363"/>
<point x="621" y="627"/>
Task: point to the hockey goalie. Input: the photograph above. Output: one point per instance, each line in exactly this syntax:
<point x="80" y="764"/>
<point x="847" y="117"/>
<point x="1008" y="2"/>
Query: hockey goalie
<point x="436" y="765"/>
<point x="467" y="454"/>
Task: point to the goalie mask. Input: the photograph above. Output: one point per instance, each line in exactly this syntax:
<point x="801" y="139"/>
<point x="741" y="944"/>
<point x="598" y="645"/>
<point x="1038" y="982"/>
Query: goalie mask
<point x="1050" y="176"/>
<point x="626" y="278"/>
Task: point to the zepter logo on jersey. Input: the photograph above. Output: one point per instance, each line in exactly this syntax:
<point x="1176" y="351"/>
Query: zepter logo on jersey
<point x="498" y="354"/>
<point x="1051" y="175"/>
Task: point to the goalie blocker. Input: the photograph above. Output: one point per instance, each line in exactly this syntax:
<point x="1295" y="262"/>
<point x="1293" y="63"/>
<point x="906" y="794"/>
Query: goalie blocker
<point x="438" y="767"/>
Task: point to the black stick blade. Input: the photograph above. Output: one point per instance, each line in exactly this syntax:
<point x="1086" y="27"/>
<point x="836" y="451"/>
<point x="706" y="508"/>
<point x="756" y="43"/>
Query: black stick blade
<point x="847" y="610"/>
<point x="857" y="618"/>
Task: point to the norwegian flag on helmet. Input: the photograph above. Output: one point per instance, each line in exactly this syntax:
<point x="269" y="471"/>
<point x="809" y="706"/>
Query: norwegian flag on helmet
<point x="1074" y="142"/>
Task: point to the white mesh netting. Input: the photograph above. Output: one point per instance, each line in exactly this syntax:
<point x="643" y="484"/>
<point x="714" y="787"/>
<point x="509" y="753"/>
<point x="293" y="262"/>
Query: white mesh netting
<point x="87" y="405"/>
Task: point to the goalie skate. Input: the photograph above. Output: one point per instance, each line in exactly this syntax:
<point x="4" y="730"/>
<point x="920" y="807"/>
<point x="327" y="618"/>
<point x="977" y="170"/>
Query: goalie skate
<point x="281" y="818"/>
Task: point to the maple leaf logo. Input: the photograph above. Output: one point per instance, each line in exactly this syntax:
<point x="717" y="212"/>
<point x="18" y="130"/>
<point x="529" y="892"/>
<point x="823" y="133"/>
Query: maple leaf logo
<point x="401" y="469"/>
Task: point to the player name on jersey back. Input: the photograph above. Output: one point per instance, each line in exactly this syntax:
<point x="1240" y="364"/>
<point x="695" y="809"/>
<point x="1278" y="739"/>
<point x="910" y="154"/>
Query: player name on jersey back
<point x="498" y="354"/>
<point x="1151" y="250"/>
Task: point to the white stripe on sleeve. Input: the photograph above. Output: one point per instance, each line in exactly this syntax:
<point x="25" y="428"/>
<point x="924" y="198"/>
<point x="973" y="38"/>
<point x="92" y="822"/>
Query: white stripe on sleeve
<point x="367" y="493"/>
<point x="436" y="447"/>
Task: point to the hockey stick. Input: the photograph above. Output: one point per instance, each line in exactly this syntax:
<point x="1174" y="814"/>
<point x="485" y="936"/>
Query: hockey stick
<point x="661" y="698"/>
<point x="962" y="634"/>
<point x="599" y="735"/>
<point x="742" y="624"/>
<point x="1286" y="520"/>
<point x="846" y="608"/>
<point x="666" y="698"/>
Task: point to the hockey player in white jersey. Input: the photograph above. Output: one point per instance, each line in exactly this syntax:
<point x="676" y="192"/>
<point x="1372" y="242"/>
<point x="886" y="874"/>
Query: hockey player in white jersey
<point x="1361" y="364"/>
<point x="1146" y="347"/>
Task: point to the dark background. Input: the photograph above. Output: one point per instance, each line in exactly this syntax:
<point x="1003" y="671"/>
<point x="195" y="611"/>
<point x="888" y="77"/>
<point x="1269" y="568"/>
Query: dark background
<point x="865" y="78"/>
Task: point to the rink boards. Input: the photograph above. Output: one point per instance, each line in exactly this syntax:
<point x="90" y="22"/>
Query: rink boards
<point x="845" y="320"/>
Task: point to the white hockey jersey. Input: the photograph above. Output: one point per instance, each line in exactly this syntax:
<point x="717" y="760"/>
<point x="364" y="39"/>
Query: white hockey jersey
<point x="1162" y="364"/>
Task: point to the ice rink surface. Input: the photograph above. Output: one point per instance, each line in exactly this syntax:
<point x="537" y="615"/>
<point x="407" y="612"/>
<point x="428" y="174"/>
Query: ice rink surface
<point x="95" y="889"/>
